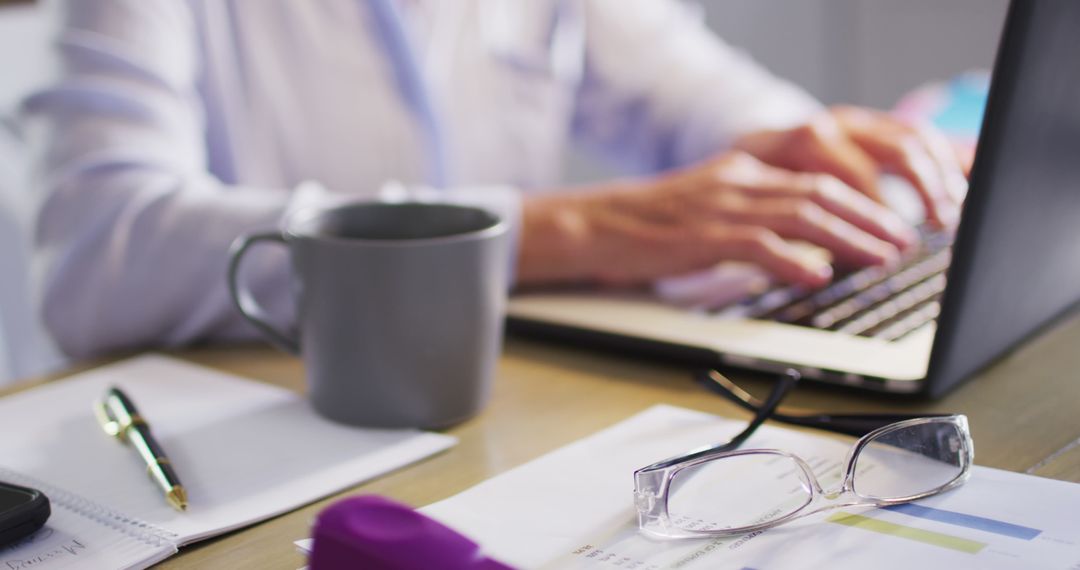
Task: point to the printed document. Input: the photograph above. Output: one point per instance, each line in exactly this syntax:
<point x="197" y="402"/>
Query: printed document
<point x="574" y="508"/>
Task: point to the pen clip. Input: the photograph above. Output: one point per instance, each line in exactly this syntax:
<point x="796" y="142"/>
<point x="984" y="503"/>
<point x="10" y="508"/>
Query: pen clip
<point x="108" y="422"/>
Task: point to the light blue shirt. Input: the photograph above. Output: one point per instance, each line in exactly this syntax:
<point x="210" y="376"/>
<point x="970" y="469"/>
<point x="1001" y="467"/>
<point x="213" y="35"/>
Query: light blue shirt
<point x="179" y="124"/>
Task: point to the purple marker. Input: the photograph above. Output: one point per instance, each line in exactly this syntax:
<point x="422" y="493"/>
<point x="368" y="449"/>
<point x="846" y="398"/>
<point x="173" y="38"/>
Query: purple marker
<point x="376" y="533"/>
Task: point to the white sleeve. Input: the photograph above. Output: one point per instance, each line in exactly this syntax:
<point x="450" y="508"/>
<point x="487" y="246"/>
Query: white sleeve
<point x="661" y="90"/>
<point x="133" y="232"/>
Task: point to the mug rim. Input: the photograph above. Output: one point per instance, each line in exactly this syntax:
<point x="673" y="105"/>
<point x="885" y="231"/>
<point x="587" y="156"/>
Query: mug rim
<point x="308" y="213"/>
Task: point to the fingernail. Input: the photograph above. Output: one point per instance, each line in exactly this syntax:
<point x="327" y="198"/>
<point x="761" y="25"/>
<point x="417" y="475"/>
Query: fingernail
<point x="949" y="215"/>
<point x="907" y="234"/>
<point x="890" y="255"/>
<point x="824" y="272"/>
<point x="958" y="187"/>
<point x="899" y="230"/>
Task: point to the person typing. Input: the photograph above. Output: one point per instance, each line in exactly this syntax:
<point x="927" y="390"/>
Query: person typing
<point x="178" y="125"/>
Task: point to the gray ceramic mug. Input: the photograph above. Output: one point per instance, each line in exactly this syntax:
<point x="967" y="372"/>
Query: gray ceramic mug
<point x="399" y="309"/>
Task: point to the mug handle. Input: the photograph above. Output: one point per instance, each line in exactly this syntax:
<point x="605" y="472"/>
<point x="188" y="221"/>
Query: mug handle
<point x="245" y="301"/>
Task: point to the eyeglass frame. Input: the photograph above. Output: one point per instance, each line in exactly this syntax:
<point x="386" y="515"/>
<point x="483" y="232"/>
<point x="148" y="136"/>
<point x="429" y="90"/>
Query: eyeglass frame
<point x="652" y="483"/>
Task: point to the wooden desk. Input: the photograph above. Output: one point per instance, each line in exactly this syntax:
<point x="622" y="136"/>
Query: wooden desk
<point x="1023" y="412"/>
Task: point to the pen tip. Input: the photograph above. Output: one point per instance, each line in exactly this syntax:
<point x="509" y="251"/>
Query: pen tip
<point x="177" y="498"/>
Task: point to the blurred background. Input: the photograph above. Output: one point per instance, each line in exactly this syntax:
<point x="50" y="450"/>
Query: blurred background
<point x="867" y="52"/>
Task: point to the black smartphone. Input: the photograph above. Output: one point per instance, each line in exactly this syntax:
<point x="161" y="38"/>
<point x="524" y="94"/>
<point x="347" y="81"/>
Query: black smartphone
<point x="22" y="511"/>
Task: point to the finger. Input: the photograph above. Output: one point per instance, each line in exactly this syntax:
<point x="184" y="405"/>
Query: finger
<point x="646" y="251"/>
<point x="832" y="152"/>
<point x="901" y="150"/>
<point x="835" y="197"/>
<point x="950" y="163"/>
<point x="803" y="219"/>
<point x="765" y="248"/>
<point x="908" y="159"/>
<point x="819" y="146"/>
<point x="849" y="205"/>
<point x="965" y="156"/>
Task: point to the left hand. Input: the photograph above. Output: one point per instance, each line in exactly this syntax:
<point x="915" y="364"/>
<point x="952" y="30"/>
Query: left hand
<point x="857" y="145"/>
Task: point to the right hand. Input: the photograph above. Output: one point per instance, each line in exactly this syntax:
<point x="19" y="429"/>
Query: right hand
<point x="858" y="145"/>
<point x="734" y="207"/>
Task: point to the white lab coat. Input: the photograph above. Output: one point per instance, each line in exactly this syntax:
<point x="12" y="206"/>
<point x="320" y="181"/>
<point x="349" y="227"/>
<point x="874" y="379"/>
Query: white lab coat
<point x="179" y="124"/>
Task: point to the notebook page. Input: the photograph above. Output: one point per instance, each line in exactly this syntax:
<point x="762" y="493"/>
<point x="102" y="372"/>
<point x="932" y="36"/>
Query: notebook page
<point x="244" y="451"/>
<point x="77" y="536"/>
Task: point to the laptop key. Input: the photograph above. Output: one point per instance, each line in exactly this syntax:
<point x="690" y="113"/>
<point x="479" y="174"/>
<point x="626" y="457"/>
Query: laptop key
<point x="882" y="291"/>
<point x="801" y="311"/>
<point x="893" y="307"/>
<point x="761" y="305"/>
<point x="849" y="296"/>
<point x="909" y="322"/>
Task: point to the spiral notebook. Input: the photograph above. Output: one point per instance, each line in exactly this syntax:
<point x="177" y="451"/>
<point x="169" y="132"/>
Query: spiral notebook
<point x="245" y="451"/>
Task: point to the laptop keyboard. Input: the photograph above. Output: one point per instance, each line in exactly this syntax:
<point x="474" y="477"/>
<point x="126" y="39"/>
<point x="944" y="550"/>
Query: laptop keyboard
<point x="875" y="301"/>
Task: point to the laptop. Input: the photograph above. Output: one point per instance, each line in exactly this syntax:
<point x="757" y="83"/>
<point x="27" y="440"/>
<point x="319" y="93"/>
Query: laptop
<point x="1011" y="268"/>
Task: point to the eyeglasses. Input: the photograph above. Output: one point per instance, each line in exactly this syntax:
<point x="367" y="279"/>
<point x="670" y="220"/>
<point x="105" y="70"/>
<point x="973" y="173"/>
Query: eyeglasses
<point x="722" y="491"/>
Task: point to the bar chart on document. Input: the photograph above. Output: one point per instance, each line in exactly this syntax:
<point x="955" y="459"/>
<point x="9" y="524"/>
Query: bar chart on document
<point x="953" y="530"/>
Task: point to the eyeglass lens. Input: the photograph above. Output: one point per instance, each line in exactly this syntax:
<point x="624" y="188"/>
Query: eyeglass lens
<point x="910" y="461"/>
<point x="738" y="491"/>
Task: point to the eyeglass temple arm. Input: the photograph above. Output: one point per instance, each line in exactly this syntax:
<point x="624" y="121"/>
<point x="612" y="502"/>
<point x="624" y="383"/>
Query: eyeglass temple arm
<point x="766" y="410"/>
<point x="856" y="425"/>
<point x="762" y="413"/>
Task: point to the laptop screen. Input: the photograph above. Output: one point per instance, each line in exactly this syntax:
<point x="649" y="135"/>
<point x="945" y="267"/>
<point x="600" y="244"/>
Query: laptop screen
<point x="1016" y="259"/>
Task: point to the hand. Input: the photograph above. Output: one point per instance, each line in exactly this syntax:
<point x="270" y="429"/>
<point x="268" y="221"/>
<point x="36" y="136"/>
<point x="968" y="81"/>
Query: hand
<point x="856" y="145"/>
<point x="734" y="207"/>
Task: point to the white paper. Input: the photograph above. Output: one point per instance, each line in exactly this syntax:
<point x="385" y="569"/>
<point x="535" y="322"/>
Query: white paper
<point x="574" y="508"/>
<point x="244" y="451"/>
<point x="69" y="541"/>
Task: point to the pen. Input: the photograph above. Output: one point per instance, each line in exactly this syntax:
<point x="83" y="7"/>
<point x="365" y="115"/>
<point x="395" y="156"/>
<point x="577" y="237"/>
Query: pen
<point x="119" y="418"/>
